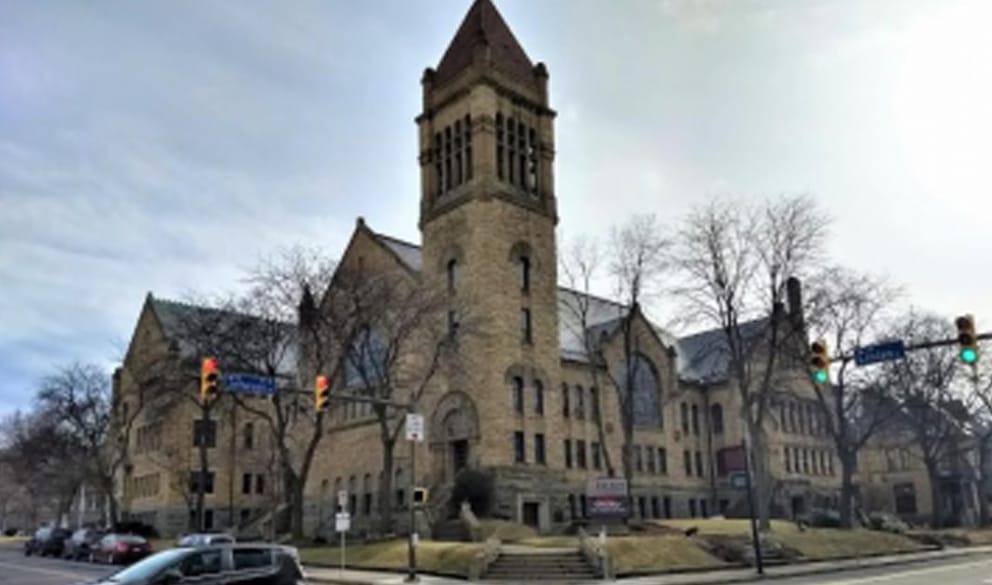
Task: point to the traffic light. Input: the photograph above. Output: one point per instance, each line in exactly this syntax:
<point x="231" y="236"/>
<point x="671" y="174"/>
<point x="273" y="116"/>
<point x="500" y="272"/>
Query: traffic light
<point x="820" y="361"/>
<point x="209" y="379"/>
<point x="967" y="339"/>
<point x="419" y="496"/>
<point x="321" y="393"/>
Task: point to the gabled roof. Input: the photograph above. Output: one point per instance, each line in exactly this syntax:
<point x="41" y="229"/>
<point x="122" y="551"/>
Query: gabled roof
<point x="178" y="318"/>
<point x="483" y="25"/>
<point x="704" y="357"/>
<point x="408" y="253"/>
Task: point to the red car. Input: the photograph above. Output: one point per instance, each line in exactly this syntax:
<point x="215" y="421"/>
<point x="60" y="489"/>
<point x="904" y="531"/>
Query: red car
<point x="120" y="548"/>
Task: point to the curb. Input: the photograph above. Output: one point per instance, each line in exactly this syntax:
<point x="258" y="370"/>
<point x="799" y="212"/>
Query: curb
<point x="805" y="570"/>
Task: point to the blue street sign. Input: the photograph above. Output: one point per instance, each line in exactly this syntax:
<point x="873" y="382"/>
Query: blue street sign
<point x="249" y="384"/>
<point x="880" y="352"/>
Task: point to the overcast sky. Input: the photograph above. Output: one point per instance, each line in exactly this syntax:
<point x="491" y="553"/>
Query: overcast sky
<point x="164" y="146"/>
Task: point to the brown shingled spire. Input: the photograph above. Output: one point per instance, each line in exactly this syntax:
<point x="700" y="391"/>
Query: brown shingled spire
<point x="484" y="29"/>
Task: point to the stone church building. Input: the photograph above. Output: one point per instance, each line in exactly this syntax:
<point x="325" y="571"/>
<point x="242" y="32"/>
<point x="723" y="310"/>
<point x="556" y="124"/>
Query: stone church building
<point x="530" y="411"/>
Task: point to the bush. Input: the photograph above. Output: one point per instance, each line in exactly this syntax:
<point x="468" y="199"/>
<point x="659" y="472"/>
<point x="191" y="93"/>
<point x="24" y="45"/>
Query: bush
<point x="136" y="527"/>
<point x="824" y="519"/>
<point x="475" y="487"/>
<point x="10" y="532"/>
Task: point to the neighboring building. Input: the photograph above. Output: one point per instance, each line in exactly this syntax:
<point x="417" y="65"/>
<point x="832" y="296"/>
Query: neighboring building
<point x="160" y="376"/>
<point x="891" y="477"/>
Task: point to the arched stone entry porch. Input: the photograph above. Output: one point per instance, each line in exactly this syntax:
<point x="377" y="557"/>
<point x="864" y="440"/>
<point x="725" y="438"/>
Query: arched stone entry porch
<point x="454" y="436"/>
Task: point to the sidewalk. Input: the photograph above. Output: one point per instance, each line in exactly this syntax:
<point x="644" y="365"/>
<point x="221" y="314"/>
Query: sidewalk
<point x="359" y="577"/>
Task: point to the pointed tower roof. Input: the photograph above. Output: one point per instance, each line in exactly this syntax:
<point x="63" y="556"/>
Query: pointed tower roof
<point x="484" y="27"/>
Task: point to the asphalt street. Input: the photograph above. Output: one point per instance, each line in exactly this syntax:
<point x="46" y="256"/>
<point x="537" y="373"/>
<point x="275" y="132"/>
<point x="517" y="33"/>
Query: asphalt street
<point x="970" y="570"/>
<point x="16" y="569"/>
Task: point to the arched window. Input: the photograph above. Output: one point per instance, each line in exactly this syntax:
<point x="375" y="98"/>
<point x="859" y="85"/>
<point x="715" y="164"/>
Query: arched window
<point x="398" y="486"/>
<point x="524" y="262"/>
<point x="580" y="403"/>
<point x="352" y="497"/>
<point x="716" y="419"/>
<point x="695" y="419"/>
<point x="365" y="362"/>
<point x="518" y="395"/>
<point x="452" y="269"/>
<point x="646" y="390"/>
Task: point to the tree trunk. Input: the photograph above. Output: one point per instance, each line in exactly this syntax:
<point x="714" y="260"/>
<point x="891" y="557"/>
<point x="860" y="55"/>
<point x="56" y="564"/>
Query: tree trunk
<point x="295" y="499"/>
<point x="386" y="490"/>
<point x="936" y="505"/>
<point x="627" y="453"/>
<point x="847" y="462"/>
<point x="761" y="481"/>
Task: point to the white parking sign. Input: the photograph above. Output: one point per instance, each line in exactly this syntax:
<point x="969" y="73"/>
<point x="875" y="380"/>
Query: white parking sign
<point x="415" y="427"/>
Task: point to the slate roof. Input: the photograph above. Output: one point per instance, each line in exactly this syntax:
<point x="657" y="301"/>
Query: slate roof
<point x="484" y="25"/>
<point x="175" y="318"/>
<point x="702" y="357"/>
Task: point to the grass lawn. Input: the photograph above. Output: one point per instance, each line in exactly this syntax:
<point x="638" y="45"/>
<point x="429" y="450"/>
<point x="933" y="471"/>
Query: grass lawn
<point x="506" y="531"/>
<point x="726" y="526"/>
<point x="657" y="553"/>
<point x="831" y="543"/>
<point x="438" y="557"/>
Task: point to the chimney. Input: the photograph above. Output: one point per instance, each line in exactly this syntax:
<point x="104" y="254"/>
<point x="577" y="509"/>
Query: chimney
<point x="794" y="295"/>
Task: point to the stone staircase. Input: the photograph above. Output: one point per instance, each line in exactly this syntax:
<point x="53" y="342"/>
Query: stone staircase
<point x="524" y="564"/>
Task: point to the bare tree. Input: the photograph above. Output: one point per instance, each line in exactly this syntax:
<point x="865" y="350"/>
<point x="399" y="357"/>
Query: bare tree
<point x="276" y="334"/>
<point x="734" y="261"/>
<point x="580" y="266"/>
<point x="932" y="409"/>
<point x="846" y="308"/>
<point x="388" y="336"/>
<point x="635" y="262"/>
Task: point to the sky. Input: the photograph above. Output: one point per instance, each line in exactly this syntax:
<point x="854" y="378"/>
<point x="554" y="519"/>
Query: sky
<point x="167" y="146"/>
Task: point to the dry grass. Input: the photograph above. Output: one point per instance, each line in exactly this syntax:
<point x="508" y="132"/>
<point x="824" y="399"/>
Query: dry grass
<point x="439" y="557"/>
<point x="505" y="531"/>
<point x="831" y="543"/>
<point x="551" y="541"/>
<point x="658" y="553"/>
<point x="725" y="526"/>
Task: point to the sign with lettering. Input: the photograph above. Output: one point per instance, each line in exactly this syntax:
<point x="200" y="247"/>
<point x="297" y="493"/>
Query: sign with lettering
<point x="607" y="497"/>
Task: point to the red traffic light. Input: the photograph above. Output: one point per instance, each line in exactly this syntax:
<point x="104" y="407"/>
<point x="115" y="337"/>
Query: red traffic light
<point x="210" y="365"/>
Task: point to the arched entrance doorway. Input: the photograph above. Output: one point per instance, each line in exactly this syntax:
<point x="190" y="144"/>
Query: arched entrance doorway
<point x="454" y="431"/>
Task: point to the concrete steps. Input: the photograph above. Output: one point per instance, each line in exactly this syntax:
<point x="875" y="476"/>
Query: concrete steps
<point x="537" y="565"/>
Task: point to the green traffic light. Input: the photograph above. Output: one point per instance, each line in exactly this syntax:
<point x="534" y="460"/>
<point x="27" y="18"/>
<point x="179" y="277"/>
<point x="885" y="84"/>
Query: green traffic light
<point x="820" y="376"/>
<point x="969" y="355"/>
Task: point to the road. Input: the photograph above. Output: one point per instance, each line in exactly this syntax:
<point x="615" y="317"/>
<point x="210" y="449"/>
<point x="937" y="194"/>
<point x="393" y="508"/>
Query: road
<point x="16" y="569"/>
<point x="970" y="570"/>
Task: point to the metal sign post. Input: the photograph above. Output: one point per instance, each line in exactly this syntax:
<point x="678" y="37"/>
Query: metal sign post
<point x="414" y="435"/>
<point x="342" y="523"/>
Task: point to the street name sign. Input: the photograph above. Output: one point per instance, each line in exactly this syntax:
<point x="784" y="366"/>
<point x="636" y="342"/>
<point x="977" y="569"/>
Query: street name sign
<point x="415" y="427"/>
<point x="249" y="384"/>
<point x="880" y="352"/>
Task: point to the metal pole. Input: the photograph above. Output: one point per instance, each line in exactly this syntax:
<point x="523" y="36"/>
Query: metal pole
<point x="342" y="553"/>
<point x="758" y="562"/>
<point x="411" y="547"/>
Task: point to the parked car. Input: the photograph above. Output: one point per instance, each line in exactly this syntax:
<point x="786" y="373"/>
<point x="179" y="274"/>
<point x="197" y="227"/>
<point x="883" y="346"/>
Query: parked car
<point x="120" y="548"/>
<point x="205" y="539"/>
<point x="78" y="546"/>
<point x="238" y="564"/>
<point x="46" y="541"/>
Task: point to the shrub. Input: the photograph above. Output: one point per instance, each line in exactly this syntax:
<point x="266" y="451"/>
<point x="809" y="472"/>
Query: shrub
<point x="10" y="532"/>
<point x="475" y="487"/>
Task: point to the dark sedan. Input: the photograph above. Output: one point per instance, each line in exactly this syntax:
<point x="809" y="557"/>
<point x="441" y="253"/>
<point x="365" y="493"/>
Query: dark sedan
<point x="238" y="564"/>
<point x="120" y="548"/>
<point x="79" y="545"/>
<point x="46" y="541"/>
